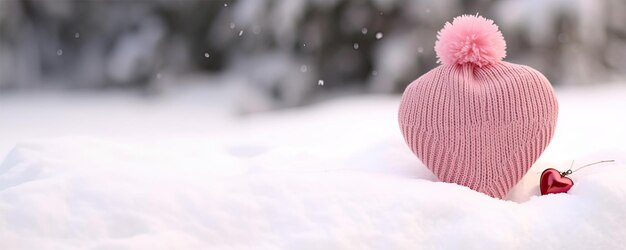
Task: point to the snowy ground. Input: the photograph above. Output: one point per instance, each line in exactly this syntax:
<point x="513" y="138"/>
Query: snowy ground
<point x="118" y="171"/>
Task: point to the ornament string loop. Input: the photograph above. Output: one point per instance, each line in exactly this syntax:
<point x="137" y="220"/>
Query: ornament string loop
<point x="569" y="171"/>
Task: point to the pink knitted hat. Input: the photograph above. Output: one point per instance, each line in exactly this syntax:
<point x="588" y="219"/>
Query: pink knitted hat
<point x="476" y="120"/>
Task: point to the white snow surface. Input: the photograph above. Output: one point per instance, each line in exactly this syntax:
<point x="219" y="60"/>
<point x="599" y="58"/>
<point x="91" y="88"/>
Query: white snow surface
<point x="114" y="171"/>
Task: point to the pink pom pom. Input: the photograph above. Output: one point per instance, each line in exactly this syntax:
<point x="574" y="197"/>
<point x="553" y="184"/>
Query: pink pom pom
<point x="470" y="39"/>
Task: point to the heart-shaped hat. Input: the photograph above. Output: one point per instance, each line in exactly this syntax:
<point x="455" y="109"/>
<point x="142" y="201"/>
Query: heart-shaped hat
<point x="476" y="120"/>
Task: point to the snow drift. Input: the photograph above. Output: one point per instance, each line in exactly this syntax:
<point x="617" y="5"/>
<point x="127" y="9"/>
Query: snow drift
<point x="337" y="175"/>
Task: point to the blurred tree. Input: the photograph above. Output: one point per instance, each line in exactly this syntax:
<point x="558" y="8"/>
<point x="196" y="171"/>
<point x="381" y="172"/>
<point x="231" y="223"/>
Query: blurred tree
<point x="280" y="49"/>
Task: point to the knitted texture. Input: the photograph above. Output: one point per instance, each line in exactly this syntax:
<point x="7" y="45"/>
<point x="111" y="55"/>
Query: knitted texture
<point x="480" y="127"/>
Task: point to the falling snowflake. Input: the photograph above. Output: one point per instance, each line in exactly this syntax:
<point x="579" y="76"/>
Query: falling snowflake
<point x="356" y="46"/>
<point x="304" y="45"/>
<point x="206" y="55"/>
<point x="240" y="32"/>
<point x="232" y="26"/>
<point x="59" y="52"/>
<point x="420" y="50"/>
<point x="364" y="31"/>
<point x="427" y="10"/>
<point x="76" y="35"/>
<point x="158" y="75"/>
<point x="379" y="35"/>
<point x="320" y="82"/>
<point x="304" y="68"/>
<point x="225" y="5"/>
<point x="374" y="73"/>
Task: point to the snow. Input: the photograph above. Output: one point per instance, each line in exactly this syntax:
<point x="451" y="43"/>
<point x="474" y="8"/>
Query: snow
<point x="118" y="171"/>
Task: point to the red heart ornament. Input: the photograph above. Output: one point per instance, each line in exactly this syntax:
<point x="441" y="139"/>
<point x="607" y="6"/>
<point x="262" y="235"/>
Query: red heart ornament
<point x="553" y="182"/>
